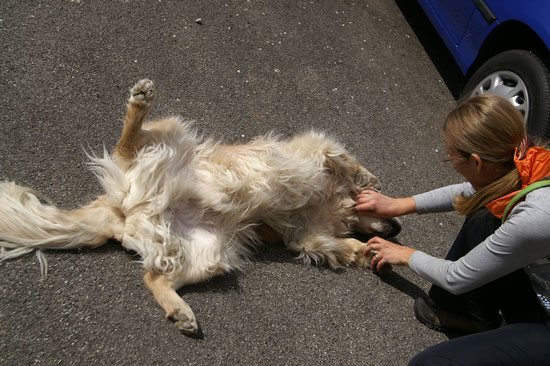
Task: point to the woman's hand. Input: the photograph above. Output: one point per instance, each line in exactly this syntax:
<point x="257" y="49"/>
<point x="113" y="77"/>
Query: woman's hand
<point x="387" y="253"/>
<point x="377" y="205"/>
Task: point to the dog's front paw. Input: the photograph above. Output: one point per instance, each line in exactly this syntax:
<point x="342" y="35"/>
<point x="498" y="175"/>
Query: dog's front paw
<point x="367" y="260"/>
<point x="373" y="184"/>
<point x="366" y="180"/>
<point x="386" y="267"/>
<point x="142" y="93"/>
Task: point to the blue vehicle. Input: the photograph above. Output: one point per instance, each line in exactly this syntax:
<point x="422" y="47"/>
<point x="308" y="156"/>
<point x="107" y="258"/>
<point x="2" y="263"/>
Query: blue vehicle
<point x="502" y="47"/>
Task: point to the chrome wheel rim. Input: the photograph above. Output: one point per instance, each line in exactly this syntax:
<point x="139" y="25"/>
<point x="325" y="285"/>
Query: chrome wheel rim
<point x="509" y="86"/>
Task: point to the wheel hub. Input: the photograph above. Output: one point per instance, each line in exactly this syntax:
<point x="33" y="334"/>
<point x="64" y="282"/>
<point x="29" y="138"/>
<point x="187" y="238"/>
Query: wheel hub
<point x="509" y="86"/>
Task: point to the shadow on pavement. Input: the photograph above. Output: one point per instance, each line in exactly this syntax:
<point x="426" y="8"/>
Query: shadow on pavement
<point x="402" y="284"/>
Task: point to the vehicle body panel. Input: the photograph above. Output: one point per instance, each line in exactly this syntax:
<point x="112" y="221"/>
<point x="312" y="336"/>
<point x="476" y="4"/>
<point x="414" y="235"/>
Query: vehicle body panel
<point x="465" y="35"/>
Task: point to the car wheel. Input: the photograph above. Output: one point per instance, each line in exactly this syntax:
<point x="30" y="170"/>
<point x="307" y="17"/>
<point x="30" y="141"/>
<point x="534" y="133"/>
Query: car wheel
<point x="523" y="79"/>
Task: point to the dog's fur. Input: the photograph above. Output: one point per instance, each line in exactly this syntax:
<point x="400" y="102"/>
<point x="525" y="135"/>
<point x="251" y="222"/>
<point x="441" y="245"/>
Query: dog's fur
<point x="192" y="209"/>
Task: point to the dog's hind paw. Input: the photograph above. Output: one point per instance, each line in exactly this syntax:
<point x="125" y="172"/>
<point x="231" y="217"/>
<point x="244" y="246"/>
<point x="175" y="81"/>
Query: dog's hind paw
<point x="186" y="325"/>
<point x="143" y="92"/>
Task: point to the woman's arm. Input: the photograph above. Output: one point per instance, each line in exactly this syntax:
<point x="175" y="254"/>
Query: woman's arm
<point x="441" y="199"/>
<point x="523" y="239"/>
<point x="374" y="204"/>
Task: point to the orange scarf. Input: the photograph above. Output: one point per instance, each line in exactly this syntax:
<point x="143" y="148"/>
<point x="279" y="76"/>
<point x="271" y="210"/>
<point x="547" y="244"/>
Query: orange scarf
<point x="532" y="167"/>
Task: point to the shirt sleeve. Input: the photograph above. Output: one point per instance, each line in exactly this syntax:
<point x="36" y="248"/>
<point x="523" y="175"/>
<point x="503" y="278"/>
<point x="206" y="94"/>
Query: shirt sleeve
<point x="441" y="199"/>
<point x="523" y="239"/>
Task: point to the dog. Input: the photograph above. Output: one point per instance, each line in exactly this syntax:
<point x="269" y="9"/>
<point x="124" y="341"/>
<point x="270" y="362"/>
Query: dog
<point x="194" y="208"/>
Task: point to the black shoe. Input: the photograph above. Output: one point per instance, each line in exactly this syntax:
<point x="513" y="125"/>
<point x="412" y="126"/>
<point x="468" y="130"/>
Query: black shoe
<point x="431" y="315"/>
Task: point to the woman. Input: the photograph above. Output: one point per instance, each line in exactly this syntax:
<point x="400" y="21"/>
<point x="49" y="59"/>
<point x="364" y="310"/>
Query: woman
<point x="482" y="279"/>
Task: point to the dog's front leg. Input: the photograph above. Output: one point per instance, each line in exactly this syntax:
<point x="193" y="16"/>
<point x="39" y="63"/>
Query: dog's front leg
<point x="139" y="104"/>
<point x="164" y="291"/>
<point x="324" y="249"/>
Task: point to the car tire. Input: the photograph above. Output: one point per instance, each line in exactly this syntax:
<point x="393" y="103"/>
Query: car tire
<point x="523" y="79"/>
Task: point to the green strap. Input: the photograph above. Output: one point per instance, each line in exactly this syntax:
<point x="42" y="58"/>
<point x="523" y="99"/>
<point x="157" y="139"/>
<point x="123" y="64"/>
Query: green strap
<point x="531" y="187"/>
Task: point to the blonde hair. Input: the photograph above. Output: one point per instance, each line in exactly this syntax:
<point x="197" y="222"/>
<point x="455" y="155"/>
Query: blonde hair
<point x="489" y="126"/>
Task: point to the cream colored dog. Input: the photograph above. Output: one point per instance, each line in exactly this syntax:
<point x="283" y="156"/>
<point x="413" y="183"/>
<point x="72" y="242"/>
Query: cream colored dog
<point x="192" y="209"/>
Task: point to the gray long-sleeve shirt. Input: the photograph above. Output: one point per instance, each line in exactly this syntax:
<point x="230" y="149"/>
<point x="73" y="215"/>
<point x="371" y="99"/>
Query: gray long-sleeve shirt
<point x="524" y="238"/>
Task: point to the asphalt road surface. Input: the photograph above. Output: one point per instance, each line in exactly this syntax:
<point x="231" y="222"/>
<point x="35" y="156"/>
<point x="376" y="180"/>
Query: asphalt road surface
<point x="371" y="73"/>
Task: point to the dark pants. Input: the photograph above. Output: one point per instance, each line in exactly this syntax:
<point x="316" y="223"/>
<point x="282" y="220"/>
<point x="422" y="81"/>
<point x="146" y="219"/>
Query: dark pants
<point x="525" y="340"/>
<point x="515" y="344"/>
<point x="511" y="295"/>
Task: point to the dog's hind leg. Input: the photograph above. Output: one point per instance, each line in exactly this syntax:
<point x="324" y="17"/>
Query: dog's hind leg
<point x="177" y="310"/>
<point x="139" y="104"/>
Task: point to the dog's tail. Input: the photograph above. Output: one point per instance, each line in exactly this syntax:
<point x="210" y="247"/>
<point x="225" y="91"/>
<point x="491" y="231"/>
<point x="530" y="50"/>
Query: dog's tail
<point x="28" y="224"/>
